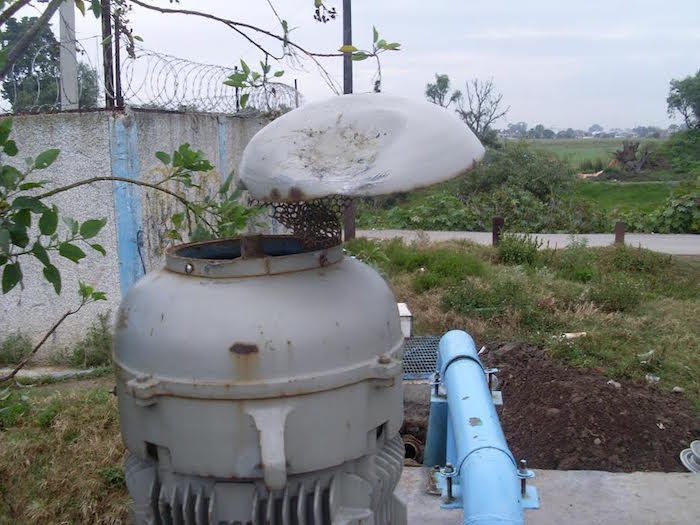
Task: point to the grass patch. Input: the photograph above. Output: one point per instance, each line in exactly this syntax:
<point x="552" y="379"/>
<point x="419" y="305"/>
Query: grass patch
<point x="60" y="460"/>
<point x="519" y="249"/>
<point x="628" y="300"/>
<point x="624" y="197"/>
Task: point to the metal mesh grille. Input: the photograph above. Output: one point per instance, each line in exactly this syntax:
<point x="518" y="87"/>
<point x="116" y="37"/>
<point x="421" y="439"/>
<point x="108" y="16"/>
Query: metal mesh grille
<point x="420" y="356"/>
<point x="316" y="222"/>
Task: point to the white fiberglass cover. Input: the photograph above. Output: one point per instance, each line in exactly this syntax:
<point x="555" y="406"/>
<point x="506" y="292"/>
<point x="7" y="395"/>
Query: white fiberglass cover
<point x="357" y="145"/>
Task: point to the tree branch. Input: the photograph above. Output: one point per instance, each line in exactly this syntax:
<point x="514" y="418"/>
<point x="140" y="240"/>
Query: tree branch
<point x="236" y="26"/>
<point x="26" y="358"/>
<point x="11" y="10"/>
<point x="179" y="197"/>
<point x="27" y="38"/>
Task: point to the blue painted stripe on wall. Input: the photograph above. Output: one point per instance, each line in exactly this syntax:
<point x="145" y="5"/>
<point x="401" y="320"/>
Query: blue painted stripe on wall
<point x="221" y="130"/>
<point x="127" y="199"/>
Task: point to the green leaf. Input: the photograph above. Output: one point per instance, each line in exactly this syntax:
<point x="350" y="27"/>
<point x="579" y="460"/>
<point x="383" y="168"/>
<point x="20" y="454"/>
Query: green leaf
<point x="177" y="219"/>
<point x="163" y="157"/>
<point x="245" y="67"/>
<point x="70" y="251"/>
<point x="10" y="148"/>
<point x="394" y="46"/>
<point x="52" y="275"/>
<point x="96" y="7"/>
<point x="98" y="296"/>
<point x="360" y="55"/>
<point x="4" y="241"/>
<point x="347" y="48"/>
<point x="244" y="100"/>
<point x="285" y="26"/>
<point x="40" y="253"/>
<point x="29" y="203"/>
<point x="23" y="218"/>
<point x="31" y="185"/>
<point x="18" y="236"/>
<point x="85" y="290"/>
<point x="318" y="3"/>
<point x="98" y="248"/>
<point x="236" y="80"/>
<point x="5" y="129"/>
<point x="91" y="228"/>
<point x="223" y="189"/>
<point x="137" y="37"/>
<point x="81" y="6"/>
<point x="375" y="34"/>
<point x="107" y="41"/>
<point x="72" y="224"/>
<point x="49" y="221"/>
<point x="46" y="158"/>
<point x="11" y="275"/>
<point x="279" y="73"/>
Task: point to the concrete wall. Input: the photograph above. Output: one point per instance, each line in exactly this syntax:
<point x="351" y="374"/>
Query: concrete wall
<point x="110" y="144"/>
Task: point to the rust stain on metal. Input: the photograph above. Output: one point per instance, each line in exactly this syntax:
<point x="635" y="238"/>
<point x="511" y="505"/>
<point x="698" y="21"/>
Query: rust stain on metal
<point x="295" y="194"/>
<point x="475" y="421"/>
<point x="244" y="348"/>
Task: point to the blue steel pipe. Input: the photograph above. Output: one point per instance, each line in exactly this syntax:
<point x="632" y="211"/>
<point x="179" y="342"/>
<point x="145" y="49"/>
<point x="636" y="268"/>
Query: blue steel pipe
<point x="487" y="471"/>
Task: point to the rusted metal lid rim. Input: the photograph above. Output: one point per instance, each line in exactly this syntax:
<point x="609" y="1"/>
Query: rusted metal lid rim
<point x="248" y="256"/>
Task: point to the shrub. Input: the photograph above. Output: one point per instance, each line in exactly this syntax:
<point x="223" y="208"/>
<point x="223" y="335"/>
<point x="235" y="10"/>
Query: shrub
<point x="95" y="349"/>
<point x="518" y="249"/>
<point x="627" y="259"/>
<point x="616" y="292"/>
<point x="113" y="476"/>
<point x="577" y="262"/>
<point x="474" y="297"/>
<point x="14" y="348"/>
<point x="519" y="165"/>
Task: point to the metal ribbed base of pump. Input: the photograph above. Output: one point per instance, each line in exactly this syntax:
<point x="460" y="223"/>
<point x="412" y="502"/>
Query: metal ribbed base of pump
<point x="360" y="491"/>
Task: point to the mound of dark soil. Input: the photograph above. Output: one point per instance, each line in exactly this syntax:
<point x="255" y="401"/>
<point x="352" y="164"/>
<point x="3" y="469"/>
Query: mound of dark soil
<point x="559" y="417"/>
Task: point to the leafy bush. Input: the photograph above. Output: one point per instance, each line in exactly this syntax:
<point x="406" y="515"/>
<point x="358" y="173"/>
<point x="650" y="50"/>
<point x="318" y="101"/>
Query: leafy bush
<point x="616" y="292"/>
<point x="14" y="348"/>
<point x="518" y="249"/>
<point x="113" y="476"/>
<point x="521" y="166"/>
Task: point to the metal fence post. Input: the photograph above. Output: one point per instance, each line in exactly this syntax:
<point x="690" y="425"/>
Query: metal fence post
<point x="497" y="226"/>
<point x="620" y="232"/>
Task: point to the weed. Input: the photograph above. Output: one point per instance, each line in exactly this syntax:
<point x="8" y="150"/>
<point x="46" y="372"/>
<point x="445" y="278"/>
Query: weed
<point x="518" y="249"/>
<point x="634" y="260"/>
<point x="577" y="262"/>
<point x="113" y="476"/>
<point x="46" y="415"/>
<point x="14" y="405"/>
<point x="14" y="348"/>
<point x="95" y="349"/>
<point x="616" y="292"/>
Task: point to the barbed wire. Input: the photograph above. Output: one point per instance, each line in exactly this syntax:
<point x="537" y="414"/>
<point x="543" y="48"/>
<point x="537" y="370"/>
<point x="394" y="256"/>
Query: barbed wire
<point x="149" y="79"/>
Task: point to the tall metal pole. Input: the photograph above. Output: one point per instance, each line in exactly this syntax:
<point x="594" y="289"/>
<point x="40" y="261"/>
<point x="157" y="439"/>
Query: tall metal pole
<point x="107" y="53"/>
<point x="349" y="215"/>
<point x="118" y="96"/>
<point x="68" y="62"/>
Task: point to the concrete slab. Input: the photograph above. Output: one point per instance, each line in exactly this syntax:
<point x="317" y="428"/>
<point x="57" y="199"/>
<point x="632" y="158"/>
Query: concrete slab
<point x="579" y="497"/>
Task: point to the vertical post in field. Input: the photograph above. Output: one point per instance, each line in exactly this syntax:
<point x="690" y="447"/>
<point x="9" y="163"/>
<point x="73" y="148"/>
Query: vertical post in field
<point x="349" y="215"/>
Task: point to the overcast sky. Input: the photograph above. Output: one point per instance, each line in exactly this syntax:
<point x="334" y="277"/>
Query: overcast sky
<point x="557" y="62"/>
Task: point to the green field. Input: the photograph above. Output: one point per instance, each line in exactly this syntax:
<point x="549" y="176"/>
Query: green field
<point x="579" y="150"/>
<point x="627" y="196"/>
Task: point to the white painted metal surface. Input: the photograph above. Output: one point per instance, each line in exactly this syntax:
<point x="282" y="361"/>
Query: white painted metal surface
<point x="357" y="145"/>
